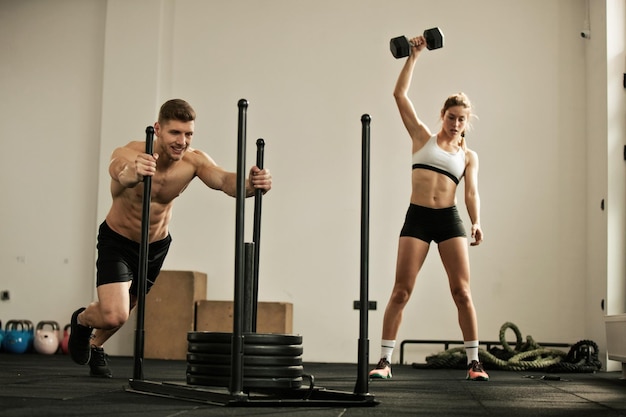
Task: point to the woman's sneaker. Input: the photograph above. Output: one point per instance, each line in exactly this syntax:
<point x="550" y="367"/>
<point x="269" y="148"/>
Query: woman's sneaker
<point x="382" y="370"/>
<point x="475" y="372"/>
<point x="98" y="365"/>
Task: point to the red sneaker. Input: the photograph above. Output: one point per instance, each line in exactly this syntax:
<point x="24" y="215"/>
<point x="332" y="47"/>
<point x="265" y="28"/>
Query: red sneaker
<point x="475" y="372"/>
<point x="382" y="370"/>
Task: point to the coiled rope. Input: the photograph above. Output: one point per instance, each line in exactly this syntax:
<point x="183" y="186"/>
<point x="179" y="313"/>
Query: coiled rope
<point x="582" y="356"/>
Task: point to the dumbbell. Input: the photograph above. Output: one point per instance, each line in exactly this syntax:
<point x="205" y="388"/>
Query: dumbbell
<point x="401" y="46"/>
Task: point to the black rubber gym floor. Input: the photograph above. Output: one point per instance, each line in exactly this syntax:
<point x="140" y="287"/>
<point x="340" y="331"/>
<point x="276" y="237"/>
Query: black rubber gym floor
<point x="41" y="385"/>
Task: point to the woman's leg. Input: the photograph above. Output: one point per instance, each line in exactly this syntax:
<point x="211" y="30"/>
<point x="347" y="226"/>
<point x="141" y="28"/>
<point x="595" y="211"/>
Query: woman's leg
<point x="455" y="258"/>
<point x="411" y="255"/>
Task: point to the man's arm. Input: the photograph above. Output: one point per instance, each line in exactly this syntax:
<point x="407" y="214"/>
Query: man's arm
<point x="217" y="178"/>
<point x="127" y="167"/>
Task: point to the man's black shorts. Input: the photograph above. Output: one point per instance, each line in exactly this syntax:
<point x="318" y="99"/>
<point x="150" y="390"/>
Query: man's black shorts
<point x="118" y="258"/>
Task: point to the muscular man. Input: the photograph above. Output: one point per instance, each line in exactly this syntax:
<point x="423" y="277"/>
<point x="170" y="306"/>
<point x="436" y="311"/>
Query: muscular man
<point x="172" y="167"/>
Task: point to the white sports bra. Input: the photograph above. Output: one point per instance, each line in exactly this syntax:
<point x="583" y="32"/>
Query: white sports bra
<point x="432" y="157"/>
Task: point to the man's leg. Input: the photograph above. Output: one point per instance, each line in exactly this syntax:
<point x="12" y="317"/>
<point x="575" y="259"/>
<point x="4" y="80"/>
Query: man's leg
<point x="111" y="310"/>
<point x="100" y="336"/>
<point x="98" y="364"/>
<point x="106" y="315"/>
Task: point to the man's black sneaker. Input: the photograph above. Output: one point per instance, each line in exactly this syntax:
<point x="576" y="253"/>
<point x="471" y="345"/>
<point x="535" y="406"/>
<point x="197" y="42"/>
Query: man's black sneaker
<point x="98" y="363"/>
<point x="78" y="344"/>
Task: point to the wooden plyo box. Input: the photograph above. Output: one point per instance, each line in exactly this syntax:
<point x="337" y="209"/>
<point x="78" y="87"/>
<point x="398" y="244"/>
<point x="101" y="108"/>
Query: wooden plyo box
<point x="170" y="313"/>
<point x="217" y="316"/>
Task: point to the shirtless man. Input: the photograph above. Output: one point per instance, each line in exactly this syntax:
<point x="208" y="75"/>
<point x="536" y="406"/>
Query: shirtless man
<point x="172" y="167"/>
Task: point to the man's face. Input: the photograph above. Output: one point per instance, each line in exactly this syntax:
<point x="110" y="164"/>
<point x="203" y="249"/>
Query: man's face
<point x="175" y="137"/>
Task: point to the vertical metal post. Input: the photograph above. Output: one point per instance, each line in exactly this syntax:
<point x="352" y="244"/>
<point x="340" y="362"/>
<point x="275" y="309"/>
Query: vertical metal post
<point x="143" y="263"/>
<point x="362" y="382"/>
<point x="248" y="288"/>
<point x="236" y="376"/>
<point x="256" y="235"/>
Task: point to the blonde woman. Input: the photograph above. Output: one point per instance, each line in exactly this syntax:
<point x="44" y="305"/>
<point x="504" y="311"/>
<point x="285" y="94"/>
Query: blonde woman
<point x="440" y="161"/>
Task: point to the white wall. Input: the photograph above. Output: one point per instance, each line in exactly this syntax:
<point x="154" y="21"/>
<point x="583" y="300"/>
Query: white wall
<point x="50" y="113"/>
<point x="310" y="69"/>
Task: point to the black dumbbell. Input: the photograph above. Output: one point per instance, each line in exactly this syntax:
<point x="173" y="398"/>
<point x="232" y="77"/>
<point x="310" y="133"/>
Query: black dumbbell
<point x="401" y="47"/>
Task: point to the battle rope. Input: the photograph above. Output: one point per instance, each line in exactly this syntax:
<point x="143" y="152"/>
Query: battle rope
<point x="582" y="356"/>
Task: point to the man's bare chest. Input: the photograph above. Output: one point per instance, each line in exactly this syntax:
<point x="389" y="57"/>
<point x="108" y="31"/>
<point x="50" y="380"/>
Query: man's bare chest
<point x="166" y="187"/>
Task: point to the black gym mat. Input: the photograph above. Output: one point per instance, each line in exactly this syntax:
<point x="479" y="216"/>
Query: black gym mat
<point x="32" y="384"/>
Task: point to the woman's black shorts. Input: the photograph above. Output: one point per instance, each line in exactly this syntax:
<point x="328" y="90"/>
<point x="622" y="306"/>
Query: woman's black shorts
<point x="430" y="224"/>
<point x="118" y="258"/>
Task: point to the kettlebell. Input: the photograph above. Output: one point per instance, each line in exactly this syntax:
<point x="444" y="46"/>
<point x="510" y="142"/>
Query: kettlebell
<point x="16" y="337"/>
<point x="30" y="333"/>
<point x="66" y="339"/>
<point x="46" y="341"/>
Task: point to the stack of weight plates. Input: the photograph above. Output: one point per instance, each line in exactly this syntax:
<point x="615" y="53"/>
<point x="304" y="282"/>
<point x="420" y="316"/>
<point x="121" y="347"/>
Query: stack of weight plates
<point x="270" y="361"/>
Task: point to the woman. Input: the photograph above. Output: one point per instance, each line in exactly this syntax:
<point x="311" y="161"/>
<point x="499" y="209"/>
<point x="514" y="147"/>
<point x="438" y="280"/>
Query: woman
<point x="439" y="162"/>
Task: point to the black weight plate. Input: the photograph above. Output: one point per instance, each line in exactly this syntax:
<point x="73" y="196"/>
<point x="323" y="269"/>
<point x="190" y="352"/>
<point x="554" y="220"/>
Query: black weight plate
<point x="248" y="349"/>
<point x="211" y="348"/>
<point x="248" y="371"/>
<point x="210" y="359"/>
<point x="252" y="338"/>
<point x="258" y="383"/>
